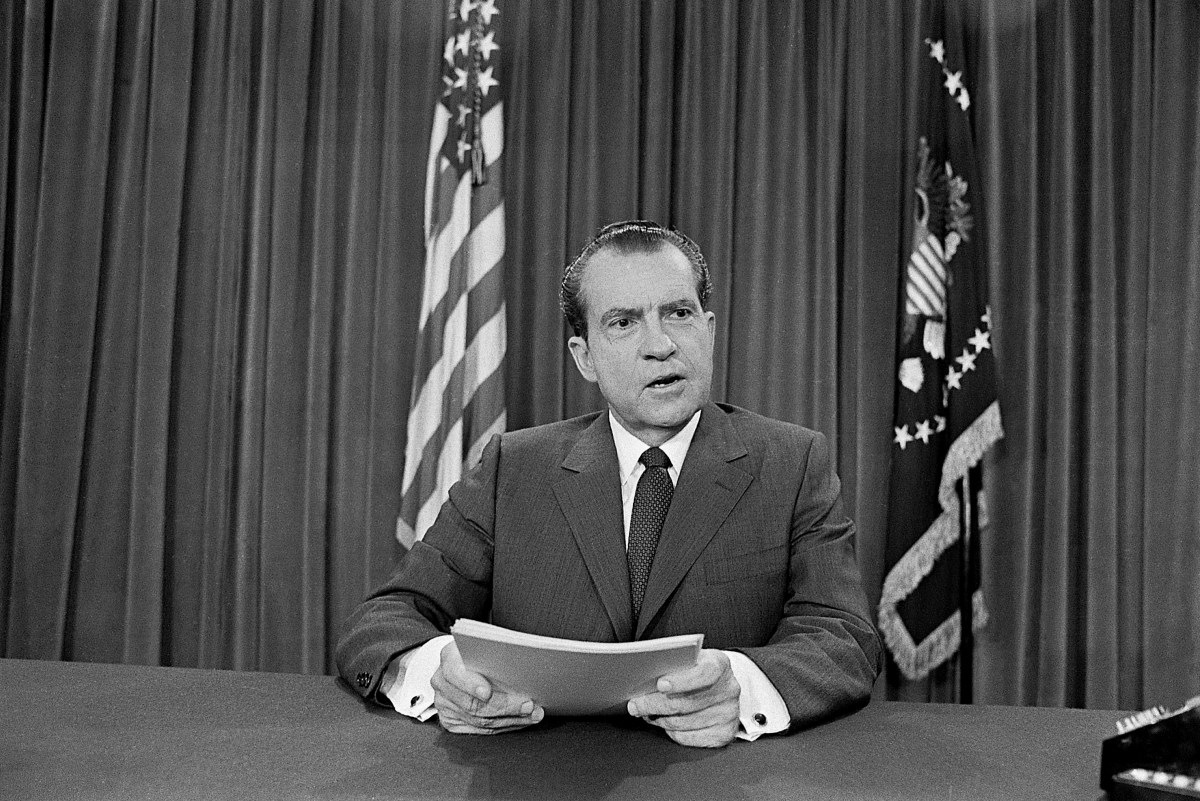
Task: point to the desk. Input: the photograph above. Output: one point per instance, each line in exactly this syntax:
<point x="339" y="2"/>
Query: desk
<point x="89" y="731"/>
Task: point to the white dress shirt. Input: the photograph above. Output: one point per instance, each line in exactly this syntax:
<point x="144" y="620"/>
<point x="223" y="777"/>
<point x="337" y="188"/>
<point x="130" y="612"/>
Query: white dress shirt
<point x="761" y="708"/>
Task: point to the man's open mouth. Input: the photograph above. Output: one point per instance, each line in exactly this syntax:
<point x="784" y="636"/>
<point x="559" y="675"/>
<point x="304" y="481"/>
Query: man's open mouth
<point x="665" y="381"/>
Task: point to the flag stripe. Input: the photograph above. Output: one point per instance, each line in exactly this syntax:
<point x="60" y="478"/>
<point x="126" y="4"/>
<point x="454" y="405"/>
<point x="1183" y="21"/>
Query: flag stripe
<point x="441" y="125"/>
<point x="453" y="437"/>
<point x="481" y="262"/>
<point x="477" y="219"/>
<point x="450" y="186"/>
<point x="478" y="312"/>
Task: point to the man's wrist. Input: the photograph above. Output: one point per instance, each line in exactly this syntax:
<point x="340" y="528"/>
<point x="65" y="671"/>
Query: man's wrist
<point x="761" y="709"/>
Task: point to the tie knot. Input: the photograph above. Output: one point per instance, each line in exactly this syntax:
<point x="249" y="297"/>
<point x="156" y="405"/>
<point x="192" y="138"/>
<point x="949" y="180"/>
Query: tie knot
<point x="654" y="457"/>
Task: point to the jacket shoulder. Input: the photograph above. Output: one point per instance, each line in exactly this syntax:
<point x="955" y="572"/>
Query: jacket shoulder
<point x="549" y="438"/>
<point x="760" y="432"/>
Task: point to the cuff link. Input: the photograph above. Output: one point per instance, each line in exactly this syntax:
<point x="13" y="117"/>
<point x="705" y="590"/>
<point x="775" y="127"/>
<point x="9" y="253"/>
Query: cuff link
<point x="760" y="718"/>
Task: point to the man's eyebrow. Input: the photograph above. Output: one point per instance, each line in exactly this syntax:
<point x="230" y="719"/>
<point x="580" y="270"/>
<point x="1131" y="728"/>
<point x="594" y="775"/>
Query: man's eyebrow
<point x="681" y="303"/>
<point x="617" y="312"/>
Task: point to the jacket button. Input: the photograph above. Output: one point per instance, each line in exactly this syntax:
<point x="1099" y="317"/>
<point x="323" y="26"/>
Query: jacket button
<point x="364" y="679"/>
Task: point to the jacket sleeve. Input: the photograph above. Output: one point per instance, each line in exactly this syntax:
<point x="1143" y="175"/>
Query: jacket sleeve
<point x="446" y="575"/>
<point x="825" y="654"/>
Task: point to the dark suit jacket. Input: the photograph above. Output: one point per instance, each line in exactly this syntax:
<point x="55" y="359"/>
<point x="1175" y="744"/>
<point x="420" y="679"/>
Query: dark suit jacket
<point x="756" y="553"/>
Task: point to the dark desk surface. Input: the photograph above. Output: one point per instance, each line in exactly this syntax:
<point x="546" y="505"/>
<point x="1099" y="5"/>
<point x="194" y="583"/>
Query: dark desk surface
<point x="86" y="731"/>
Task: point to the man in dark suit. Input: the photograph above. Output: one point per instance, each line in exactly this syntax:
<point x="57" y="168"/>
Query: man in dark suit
<point x="597" y="529"/>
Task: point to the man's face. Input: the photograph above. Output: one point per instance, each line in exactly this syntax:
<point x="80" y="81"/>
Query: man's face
<point x="649" y="344"/>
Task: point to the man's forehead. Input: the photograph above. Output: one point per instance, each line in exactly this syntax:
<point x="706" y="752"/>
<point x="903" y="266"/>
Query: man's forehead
<point x="639" y="280"/>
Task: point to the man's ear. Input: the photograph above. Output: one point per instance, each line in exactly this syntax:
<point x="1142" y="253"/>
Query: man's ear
<point x="583" y="357"/>
<point x="711" y="317"/>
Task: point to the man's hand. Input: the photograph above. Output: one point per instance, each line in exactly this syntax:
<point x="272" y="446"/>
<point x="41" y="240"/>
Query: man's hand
<point x="697" y="706"/>
<point x="467" y="703"/>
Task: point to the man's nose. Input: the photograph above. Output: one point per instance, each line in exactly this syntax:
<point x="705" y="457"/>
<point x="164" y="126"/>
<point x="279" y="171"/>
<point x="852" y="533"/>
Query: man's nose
<point x="657" y="344"/>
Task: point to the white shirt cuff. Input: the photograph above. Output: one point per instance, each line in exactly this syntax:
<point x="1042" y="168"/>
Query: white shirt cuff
<point x="407" y="680"/>
<point x="762" y="709"/>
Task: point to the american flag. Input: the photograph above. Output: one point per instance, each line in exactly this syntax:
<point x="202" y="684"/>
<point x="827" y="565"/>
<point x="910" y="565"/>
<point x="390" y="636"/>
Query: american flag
<point x="946" y="409"/>
<point x="458" y="372"/>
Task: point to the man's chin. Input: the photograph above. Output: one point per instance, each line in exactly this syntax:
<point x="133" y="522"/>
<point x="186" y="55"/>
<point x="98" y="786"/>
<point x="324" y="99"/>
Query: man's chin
<point x="675" y="417"/>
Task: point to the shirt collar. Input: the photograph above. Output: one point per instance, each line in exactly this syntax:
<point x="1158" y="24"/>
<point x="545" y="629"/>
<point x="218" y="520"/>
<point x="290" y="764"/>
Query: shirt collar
<point x="630" y="448"/>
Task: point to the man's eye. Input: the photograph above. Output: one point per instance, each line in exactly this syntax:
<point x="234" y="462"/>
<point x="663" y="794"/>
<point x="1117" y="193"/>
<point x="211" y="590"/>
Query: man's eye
<point x="621" y="323"/>
<point x="681" y="314"/>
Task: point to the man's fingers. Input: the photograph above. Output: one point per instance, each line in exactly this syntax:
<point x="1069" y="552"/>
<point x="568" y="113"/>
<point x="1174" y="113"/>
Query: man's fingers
<point x="498" y="704"/>
<point x="457" y="723"/>
<point x="462" y="689"/>
<point x="706" y="718"/>
<point x="452" y="672"/>
<point x="705" y="738"/>
<point x="697" y="706"/>
<point x="467" y="703"/>
<point x="709" y="670"/>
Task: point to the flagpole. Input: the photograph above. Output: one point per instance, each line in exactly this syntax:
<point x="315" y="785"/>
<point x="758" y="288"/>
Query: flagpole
<point x="966" y="649"/>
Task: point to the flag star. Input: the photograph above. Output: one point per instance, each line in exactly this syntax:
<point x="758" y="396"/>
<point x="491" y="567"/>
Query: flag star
<point x="461" y="80"/>
<point x="463" y="147"/>
<point x="448" y="50"/>
<point x="967" y="360"/>
<point x="462" y="42"/>
<point x="464" y="10"/>
<point x="981" y="340"/>
<point x="463" y="112"/>
<point x="954" y="379"/>
<point x="446" y="79"/>
<point x="902" y="437"/>
<point x="937" y="50"/>
<point x="924" y="432"/>
<point x="486" y="81"/>
<point x="487" y="9"/>
<point x="964" y="100"/>
<point x="987" y="316"/>
<point x="941" y="422"/>
<point x="487" y="44"/>
<point x="953" y="81"/>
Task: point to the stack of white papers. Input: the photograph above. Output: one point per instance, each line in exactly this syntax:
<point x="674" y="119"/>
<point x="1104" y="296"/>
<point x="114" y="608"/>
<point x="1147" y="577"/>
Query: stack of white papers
<point x="572" y="677"/>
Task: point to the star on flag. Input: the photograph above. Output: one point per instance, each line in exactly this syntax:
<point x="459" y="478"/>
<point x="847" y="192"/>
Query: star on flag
<point x="487" y="9"/>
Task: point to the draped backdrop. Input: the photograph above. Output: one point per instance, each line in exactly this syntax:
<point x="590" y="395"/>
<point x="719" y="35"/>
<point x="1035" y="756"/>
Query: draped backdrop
<point x="211" y="281"/>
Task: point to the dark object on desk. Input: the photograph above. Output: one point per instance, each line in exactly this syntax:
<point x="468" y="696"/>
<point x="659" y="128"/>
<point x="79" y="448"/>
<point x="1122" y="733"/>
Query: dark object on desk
<point x="1156" y="754"/>
<point x="1139" y="784"/>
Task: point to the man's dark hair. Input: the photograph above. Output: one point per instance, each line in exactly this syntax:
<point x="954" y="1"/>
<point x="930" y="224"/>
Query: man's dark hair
<point x="628" y="236"/>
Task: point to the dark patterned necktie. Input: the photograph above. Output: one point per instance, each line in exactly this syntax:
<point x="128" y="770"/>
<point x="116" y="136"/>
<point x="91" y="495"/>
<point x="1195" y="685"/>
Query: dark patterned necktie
<point x="650" y="504"/>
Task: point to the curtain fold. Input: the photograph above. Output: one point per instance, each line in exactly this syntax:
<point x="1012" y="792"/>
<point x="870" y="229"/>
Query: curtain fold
<point x="212" y="254"/>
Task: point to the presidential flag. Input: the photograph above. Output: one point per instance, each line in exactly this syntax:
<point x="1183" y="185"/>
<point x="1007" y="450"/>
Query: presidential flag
<point x="458" y="372"/>
<point x="946" y="413"/>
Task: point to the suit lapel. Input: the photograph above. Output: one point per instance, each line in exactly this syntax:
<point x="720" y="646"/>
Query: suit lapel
<point x="709" y="486"/>
<point x="589" y="495"/>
